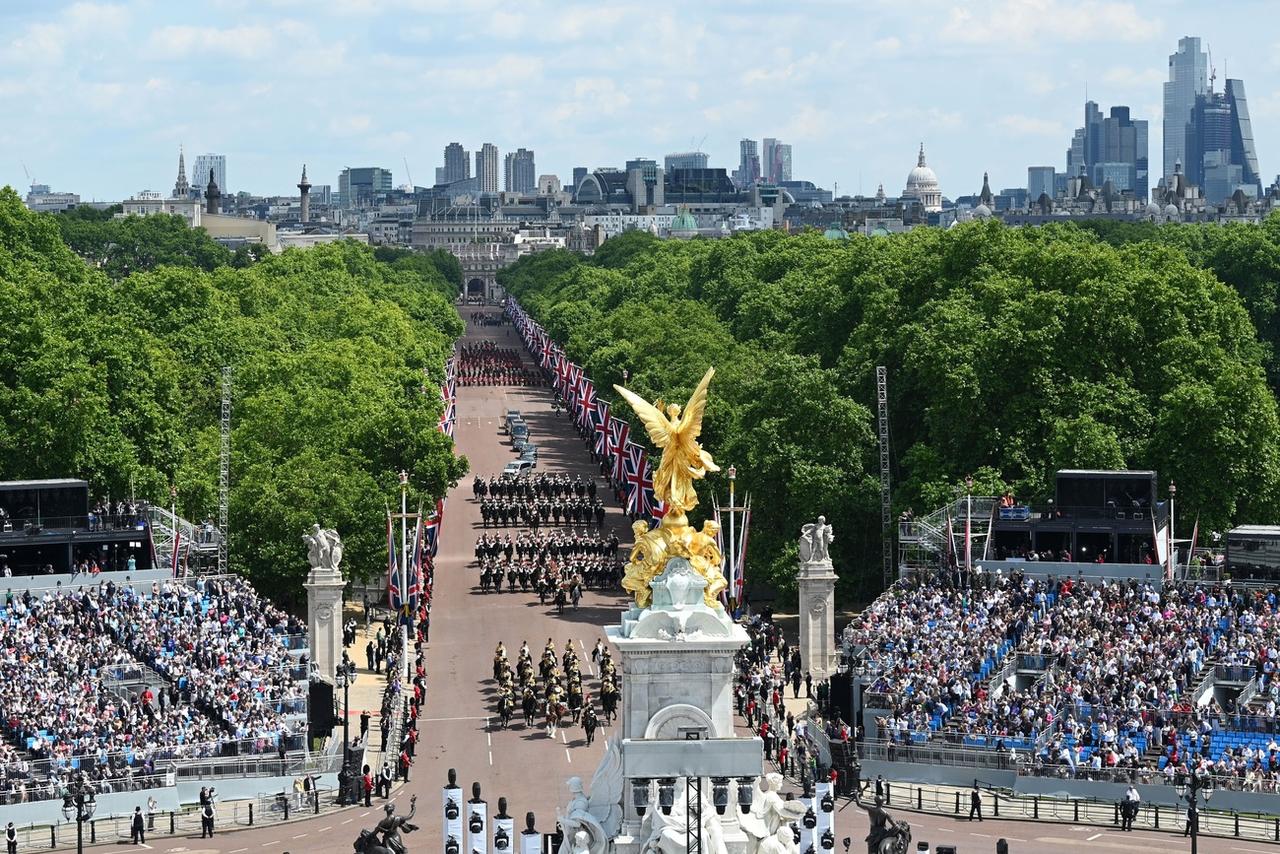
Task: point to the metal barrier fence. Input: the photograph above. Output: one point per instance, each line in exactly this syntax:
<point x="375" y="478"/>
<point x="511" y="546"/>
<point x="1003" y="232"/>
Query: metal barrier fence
<point x="1089" y="811"/>
<point x="265" y="809"/>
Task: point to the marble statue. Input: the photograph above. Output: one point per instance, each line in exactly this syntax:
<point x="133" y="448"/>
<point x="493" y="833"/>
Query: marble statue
<point x="815" y="541"/>
<point x="591" y="821"/>
<point x="667" y="834"/>
<point x="769" y="817"/>
<point x="324" y="548"/>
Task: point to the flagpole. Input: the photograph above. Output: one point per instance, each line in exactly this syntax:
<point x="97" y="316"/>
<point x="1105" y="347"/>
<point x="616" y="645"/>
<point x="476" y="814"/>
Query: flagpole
<point x="404" y="578"/>
<point x="733" y="550"/>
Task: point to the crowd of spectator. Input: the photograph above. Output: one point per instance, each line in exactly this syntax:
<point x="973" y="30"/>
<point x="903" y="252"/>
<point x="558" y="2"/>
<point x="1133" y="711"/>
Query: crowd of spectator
<point x="1117" y="662"/>
<point x="74" y="698"/>
<point x="486" y="363"/>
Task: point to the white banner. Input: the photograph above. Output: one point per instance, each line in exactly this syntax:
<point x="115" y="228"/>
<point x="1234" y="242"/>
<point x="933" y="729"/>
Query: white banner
<point x="477" y="813"/>
<point x="504" y="835"/>
<point x="452" y="826"/>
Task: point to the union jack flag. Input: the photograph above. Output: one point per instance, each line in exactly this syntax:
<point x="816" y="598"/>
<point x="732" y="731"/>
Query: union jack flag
<point x="415" y="567"/>
<point x="619" y="431"/>
<point x="586" y="400"/>
<point x="638" y="478"/>
<point x="600" y="421"/>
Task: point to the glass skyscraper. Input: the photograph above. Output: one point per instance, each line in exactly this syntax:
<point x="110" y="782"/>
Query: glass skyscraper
<point x="1188" y="80"/>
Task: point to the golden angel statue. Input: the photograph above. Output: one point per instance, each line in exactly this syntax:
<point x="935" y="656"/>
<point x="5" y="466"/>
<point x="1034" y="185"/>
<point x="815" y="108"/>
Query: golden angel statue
<point x="683" y="460"/>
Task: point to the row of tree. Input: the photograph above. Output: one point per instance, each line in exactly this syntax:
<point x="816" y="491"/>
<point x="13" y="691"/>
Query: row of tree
<point x="112" y="375"/>
<point x="1011" y="353"/>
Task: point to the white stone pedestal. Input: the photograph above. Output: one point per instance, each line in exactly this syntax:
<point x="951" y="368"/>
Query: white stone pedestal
<point x="324" y="620"/>
<point x="817" y="584"/>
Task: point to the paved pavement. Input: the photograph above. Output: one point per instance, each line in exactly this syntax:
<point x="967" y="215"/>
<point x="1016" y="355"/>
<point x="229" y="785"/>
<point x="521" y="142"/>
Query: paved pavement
<point x="458" y="726"/>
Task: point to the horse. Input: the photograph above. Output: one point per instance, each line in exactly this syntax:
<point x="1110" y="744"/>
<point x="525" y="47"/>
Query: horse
<point x="505" y="706"/>
<point x="609" y="702"/>
<point x="554" y="712"/>
<point x="530" y="707"/>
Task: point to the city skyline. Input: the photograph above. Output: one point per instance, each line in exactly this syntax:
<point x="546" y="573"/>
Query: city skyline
<point x="281" y="83"/>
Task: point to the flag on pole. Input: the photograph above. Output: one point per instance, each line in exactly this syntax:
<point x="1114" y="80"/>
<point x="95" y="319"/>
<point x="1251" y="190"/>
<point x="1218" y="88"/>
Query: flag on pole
<point x="177" y="542"/>
<point x="393" y="570"/>
<point x="600" y="422"/>
<point x="415" y="566"/>
<point x="619" y="431"/>
<point x="739" y="572"/>
<point x="1195" y="535"/>
<point x="636" y="472"/>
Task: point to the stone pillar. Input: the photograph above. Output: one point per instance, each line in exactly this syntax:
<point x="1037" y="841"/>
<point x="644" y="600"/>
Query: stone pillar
<point x="817" y="583"/>
<point x="324" y="619"/>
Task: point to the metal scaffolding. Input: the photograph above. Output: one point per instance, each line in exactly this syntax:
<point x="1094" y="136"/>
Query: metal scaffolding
<point x="224" y="470"/>
<point x="886" y="500"/>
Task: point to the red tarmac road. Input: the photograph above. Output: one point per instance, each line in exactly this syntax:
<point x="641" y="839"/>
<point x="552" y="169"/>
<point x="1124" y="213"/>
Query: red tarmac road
<point x="459" y="727"/>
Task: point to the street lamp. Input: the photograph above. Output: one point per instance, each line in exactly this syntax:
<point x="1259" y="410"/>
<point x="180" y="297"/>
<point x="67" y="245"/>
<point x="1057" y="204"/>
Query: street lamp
<point x="1189" y="791"/>
<point x="345" y="677"/>
<point x="78" y="804"/>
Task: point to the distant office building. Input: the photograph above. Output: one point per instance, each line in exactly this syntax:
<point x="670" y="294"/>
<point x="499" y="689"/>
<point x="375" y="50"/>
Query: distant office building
<point x="1112" y="149"/>
<point x="748" y="172"/>
<point x="359" y="186"/>
<point x="206" y="163"/>
<point x="42" y="200"/>
<point x="1188" y="80"/>
<point x="685" y="160"/>
<point x="1041" y="181"/>
<point x="519" y="173"/>
<point x="457" y="164"/>
<point x="579" y="172"/>
<point x="487" y="168"/>
<point x="548" y="185"/>
<point x="776" y="161"/>
<point x="1219" y="145"/>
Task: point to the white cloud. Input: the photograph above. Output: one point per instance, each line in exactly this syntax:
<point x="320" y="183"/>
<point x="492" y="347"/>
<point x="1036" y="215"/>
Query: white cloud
<point x="242" y="42"/>
<point x="49" y="41"/>
<point x="592" y="96"/>
<point x="350" y="124"/>
<point x="1026" y="25"/>
<point x="886" y="47"/>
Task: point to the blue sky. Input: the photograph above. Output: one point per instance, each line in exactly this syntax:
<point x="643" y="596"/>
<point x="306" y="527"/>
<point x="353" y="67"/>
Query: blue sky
<point x="96" y="96"/>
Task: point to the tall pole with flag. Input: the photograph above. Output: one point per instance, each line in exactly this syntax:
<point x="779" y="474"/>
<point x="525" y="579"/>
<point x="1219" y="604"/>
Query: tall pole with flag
<point x="968" y="528"/>
<point x="404" y="576"/>
<point x="733" y="542"/>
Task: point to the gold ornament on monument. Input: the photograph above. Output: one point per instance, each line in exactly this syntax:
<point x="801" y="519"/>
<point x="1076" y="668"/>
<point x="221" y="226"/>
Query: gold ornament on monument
<point x="675" y="432"/>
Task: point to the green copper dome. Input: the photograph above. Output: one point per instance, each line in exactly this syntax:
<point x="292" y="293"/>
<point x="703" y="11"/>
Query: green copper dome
<point x="684" y="221"/>
<point x="835" y="232"/>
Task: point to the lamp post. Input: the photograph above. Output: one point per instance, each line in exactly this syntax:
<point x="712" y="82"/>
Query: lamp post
<point x="1189" y="791"/>
<point x="78" y="804"/>
<point x="345" y="677"/>
<point x="404" y="577"/>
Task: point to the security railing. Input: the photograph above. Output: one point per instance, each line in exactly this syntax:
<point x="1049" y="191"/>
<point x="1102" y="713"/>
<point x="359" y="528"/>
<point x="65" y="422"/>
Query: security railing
<point x="945" y="800"/>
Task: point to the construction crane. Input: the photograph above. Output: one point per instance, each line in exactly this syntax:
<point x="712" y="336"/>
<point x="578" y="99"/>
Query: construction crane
<point x="406" y="170"/>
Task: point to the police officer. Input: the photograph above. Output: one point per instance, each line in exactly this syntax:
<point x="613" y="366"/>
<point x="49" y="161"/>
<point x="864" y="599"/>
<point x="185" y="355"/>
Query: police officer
<point x="975" y="803"/>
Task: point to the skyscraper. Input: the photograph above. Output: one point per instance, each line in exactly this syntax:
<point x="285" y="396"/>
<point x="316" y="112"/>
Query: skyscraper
<point x="519" y="174"/>
<point x="1110" y="149"/>
<point x="780" y="163"/>
<point x="217" y="163"/>
<point x="748" y="172"/>
<point x="1040" y="181"/>
<point x="579" y="172"/>
<point x="766" y="159"/>
<point x="1219" y="149"/>
<point x="487" y="168"/>
<point x="457" y="164"/>
<point x="1188" y="80"/>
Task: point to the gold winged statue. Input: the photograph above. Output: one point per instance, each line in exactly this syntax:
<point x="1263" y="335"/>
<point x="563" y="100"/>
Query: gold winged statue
<point x="683" y="460"/>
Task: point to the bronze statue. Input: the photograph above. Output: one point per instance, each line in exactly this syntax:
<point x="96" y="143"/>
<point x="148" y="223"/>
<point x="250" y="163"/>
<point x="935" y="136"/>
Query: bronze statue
<point x="886" y="835"/>
<point x="390" y="827"/>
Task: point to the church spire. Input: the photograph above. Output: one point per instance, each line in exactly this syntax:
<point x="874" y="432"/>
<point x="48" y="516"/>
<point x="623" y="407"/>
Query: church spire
<point x="181" y="189"/>
<point x="920" y="161"/>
